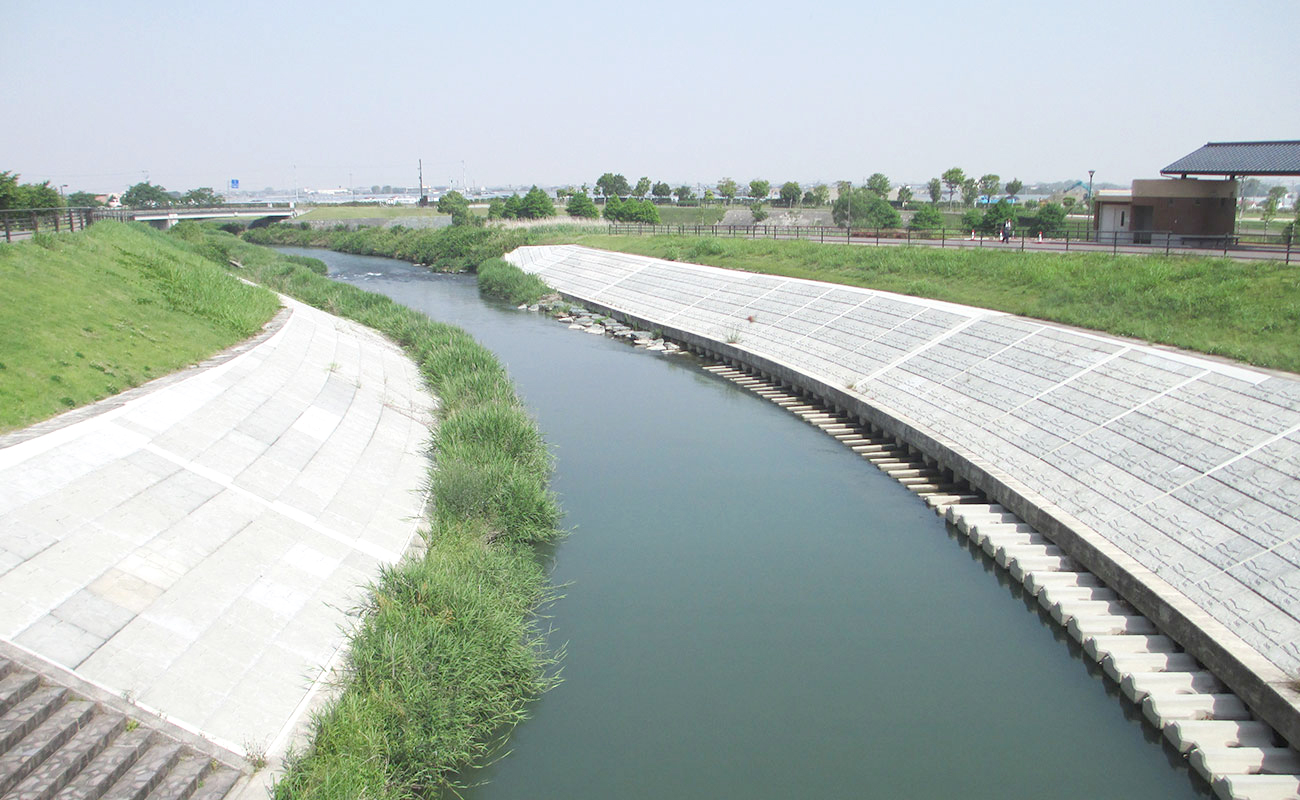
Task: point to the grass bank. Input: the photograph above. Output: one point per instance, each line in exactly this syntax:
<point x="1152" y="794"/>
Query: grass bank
<point x="448" y="650"/>
<point x="91" y="314"/>
<point x="1248" y="311"/>
<point x="453" y="249"/>
<point x="376" y="211"/>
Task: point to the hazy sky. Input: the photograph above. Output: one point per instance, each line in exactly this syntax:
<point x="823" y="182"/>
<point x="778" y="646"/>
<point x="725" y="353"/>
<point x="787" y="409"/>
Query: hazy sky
<point x="98" y="94"/>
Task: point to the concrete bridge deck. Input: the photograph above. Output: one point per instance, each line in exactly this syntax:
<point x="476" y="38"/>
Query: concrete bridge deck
<point x="1175" y="477"/>
<point x="197" y="543"/>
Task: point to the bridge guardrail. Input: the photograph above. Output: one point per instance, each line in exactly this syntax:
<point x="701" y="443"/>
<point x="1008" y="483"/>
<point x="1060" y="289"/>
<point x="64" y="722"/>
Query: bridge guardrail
<point x="23" y="223"/>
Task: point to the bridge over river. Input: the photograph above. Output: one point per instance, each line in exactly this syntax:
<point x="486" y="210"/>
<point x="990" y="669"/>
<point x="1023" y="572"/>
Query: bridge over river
<point x="23" y="223"/>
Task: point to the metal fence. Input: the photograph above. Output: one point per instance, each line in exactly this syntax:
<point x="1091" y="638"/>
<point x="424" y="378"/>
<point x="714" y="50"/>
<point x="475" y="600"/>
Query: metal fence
<point x="1243" y="246"/>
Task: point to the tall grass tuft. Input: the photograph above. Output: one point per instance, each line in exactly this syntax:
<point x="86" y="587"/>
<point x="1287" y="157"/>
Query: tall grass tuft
<point x="498" y="278"/>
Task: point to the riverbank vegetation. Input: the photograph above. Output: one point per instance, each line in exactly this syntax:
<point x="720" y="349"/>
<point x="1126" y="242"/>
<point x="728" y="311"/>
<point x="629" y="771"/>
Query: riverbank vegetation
<point x="87" y="315"/>
<point x="1248" y="311"/>
<point x="448" y="649"/>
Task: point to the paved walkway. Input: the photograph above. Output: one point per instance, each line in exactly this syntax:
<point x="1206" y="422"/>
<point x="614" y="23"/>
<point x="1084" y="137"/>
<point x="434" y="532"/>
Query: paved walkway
<point x="1189" y="465"/>
<point x="196" y="544"/>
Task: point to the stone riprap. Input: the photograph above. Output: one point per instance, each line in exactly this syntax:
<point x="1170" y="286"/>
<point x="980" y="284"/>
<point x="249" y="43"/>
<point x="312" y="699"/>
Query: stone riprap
<point x="1173" y="476"/>
<point x="197" y="544"/>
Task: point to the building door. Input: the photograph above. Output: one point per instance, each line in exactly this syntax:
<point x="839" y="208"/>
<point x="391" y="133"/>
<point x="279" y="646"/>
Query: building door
<point x="1142" y="216"/>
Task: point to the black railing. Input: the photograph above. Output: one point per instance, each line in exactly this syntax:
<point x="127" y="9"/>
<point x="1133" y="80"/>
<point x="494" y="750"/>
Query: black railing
<point x="1244" y="246"/>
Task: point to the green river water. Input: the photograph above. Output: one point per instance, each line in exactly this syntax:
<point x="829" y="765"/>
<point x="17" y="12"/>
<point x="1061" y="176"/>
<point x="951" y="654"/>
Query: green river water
<point x="752" y="611"/>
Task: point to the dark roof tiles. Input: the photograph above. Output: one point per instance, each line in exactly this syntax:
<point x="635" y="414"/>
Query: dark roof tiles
<point x="1239" y="158"/>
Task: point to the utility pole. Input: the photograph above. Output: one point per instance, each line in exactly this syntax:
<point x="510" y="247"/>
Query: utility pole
<point x="423" y="201"/>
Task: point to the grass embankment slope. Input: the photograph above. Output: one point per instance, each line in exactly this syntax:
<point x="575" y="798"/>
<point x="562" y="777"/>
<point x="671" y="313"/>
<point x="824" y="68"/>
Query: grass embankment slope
<point x="1248" y="311"/>
<point x="91" y="314"/>
<point x="448" y="651"/>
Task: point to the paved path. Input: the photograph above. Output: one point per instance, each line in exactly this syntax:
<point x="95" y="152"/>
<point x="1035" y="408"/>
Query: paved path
<point x="197" y="544"/>
<point x="1188" y="465"/>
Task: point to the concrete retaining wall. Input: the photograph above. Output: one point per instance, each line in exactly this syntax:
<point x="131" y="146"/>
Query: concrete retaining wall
<point x="1175" y="478"/>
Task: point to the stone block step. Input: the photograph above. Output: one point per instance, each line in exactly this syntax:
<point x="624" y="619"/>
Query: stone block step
<point x="57" y="771"/>
<point x="107" y="767"/>
<point x="980" y="530"/>
<point x="186" y="775"/>
<point x="149" y="770"/>
<point x="1051" y="595"/>
<point x="1021" y="567"/>
<point x="1137" y="685"/>
<point x="992" y="542"/>
<point x="1066" y="610"/>
<point x="1186" y="734"/>
<point x="940" y="502"/>
<point x="15" y="687"/>
<point x="217" y="784"/>
<point x="24" y="757"/>
<point x="1081" y="627"/>
<point x="24" y="718"/>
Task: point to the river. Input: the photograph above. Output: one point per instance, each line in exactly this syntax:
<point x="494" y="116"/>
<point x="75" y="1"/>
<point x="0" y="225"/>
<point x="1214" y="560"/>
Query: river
<point x="752" y="611"/>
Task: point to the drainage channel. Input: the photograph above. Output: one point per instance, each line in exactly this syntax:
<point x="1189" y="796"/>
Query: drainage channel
<point x="1241" y="757"/>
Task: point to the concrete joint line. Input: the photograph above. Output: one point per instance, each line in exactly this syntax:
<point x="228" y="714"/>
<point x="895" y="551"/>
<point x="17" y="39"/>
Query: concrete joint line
<point x="946" y="381"/>
<point x="1138" y="407"/>
<point x="953" y="331"/>
<point x="1059" y="384"/>
<point x="295" y="514"/>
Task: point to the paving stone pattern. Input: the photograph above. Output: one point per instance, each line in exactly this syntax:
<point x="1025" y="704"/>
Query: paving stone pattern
<point x="198" y="548"/>
<point x="1190" y="465"/>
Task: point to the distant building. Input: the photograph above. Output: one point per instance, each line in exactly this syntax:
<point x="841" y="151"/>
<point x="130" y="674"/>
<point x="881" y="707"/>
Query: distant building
<point x="1188" y="205"/>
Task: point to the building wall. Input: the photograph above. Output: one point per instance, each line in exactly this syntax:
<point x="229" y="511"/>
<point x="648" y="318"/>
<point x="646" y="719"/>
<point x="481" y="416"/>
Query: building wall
<point x="1187" y="206"/>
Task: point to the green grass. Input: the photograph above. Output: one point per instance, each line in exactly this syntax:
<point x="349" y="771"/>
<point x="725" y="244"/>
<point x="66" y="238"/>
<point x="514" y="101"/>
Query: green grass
<point x="332" y="212"/>
<point x="91" y="314"/>
<point x="1248" y="311"/>
<point x="498" y="278"/>
<point x="448" y="650"/>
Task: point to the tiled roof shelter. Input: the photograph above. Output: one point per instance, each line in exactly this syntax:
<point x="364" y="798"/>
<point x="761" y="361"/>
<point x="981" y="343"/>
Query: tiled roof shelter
<point x="1235" y="159"/>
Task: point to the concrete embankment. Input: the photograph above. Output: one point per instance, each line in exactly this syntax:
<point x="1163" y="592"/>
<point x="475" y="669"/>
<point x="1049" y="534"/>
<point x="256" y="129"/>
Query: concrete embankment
<point x="196" y="545"/>
<point x="1173" y="479"/>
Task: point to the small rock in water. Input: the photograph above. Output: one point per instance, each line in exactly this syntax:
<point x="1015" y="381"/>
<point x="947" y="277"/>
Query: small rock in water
<point x="564" y="319"/>
<point x="521" y="308"/>
<point x="656" y="347"/>
<point x="535" y="308"/>
<point x="576" y="327"/>
<point x="596" y="329"/>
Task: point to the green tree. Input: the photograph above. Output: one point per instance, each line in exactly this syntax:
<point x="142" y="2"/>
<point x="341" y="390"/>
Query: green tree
<point x="1050" y="218"/>
<point x="904" y="195"/>
<point x="790" y="193"/>
<point x="821" y="194"/>
<point x="878" y="183"/>
<point x="953" y="180"/>
<point x="536" y="205"/>
<point x="1013" y="188"/>
<point x="759" y="189"/>
<point x="611" y="185"/>
<point x="512" y="206"/>
<point x="580" y="205"/>
<point x="842" y="188"/>
<point x="642" y="188"/>
<point x="8" y="189"/>
<point x="863" y="208"/>
<point x="146" y="195"/>
<point x="728" y="189"/>
<point x="39" y="195"/>
<point x="935" y="188"/>
<point x="685" y="194"/>
<point x="496" y="208"/>
<point x="926" y="218"/>
<point x="759" y="211"/>
<point x="1268" y="209"/>
<point x="997" y="214"/>
<point x="83" y="200"/>
<point x="989" y="184"/>
<point x="880" y="214"/>
<point x="452" y="202"/>
<point x="970" y="192"/>
<point x="662" y="191"/>
<point x="203" y="197"/>
<point x="1068" y="202"/>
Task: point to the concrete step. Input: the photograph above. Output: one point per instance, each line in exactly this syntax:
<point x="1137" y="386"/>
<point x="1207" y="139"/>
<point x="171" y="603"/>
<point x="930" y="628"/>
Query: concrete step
<point x="1100" y="646"/>
<point x="1117" y="665"/>
<point x="1186" y="734"/>
<point x="940" y="502"/>
<point x="25" y="717"/>
<point x="1109" y="625"/>
<point x="16" y="687"/>
<point x="185" y="776"/>
<point x="1066" y="610"/>
<point x="1021" y="567"/>
<point x="1162" y="709"/>
<point x="1036" y="582"/>
<point x="979" y="530"/>
<point x="1137" y="685"/>
<point x="992" y="542"/>
<point x="1213" y="762"/>
<point x="217" y="784"/>
<point x="1257" y="787"/>
<point x="149" y="770"/>
<point x="1051" y="595"/>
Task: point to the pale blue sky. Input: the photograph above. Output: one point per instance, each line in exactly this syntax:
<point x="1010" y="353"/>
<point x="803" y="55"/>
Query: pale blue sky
<point x="97" y="94"/>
